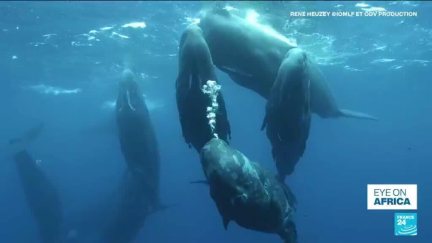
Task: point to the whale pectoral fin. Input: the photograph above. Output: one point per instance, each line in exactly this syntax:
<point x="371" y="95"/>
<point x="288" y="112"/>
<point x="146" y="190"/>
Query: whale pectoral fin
<point x="239" y="77"/>
<point x="270" y="108"/>
<point x="356" y="114"/>
<point x="264" y="123"/>
<point x="225" y="222"/>
<point x="234" y="73"/>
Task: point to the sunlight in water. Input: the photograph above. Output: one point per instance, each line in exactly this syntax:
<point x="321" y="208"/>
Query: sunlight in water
<point x="230" y="8"/>
<point x="190" y="20"/>
<point x="45" y="89"/>
<point x="135" y="25"/>
<point x="119" y="35"/>
<point x="252" y="18"/>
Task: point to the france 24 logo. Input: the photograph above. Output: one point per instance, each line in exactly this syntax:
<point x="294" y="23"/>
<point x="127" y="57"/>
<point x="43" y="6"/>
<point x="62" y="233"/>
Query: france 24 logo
<point x="406" y="224"/>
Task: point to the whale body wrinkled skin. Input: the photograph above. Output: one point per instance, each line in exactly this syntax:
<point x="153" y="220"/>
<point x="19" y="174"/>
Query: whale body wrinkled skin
<point x="251" y="55"/>
<point x="259" y="59"/>
<point x="246" y="193"/>
<point x="195" y="69"/>
<point x="288" y="115"/>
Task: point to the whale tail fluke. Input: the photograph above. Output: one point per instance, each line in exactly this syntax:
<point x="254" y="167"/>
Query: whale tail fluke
<point x="21" y="143"/>
<point x="356" y="114"/>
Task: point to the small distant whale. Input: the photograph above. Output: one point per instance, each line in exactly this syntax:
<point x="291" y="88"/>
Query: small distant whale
<point x="288" y="114"/>
<point x="246" y="193"/>
<point x="139" y="147"/>
<point x="42" y="196"/>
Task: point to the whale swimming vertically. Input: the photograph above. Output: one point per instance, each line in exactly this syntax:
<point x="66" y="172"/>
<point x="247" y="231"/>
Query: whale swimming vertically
<point x="137" y="137"/>
<point x="42" y="196"/>
<point x="139" y="193"/>
<point x="242" y="190"/>
<point x="195" y="69"/>
<point x="246" y="193"/>
<point x="288" y="115"/>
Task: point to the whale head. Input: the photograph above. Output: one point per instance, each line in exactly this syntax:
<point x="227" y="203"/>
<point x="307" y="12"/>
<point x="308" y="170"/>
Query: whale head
<point x="129" y="96"/>
<point x="233" y="178"/>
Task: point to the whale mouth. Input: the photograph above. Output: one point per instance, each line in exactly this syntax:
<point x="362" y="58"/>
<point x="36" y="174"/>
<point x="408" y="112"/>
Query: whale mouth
<point x="239" y="199"/>
<point x="128" y="101"/>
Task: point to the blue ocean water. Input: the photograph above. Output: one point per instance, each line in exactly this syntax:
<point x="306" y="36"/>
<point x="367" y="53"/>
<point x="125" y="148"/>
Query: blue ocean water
<point x="60" y="64"/>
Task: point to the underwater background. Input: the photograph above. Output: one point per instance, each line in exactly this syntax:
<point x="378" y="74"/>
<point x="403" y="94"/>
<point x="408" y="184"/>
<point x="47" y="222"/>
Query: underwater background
<point x="60" y="63"/>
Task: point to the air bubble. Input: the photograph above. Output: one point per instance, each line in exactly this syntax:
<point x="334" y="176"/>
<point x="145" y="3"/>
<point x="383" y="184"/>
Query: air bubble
<point x="211" y="88"/>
